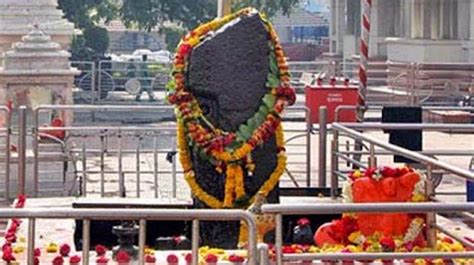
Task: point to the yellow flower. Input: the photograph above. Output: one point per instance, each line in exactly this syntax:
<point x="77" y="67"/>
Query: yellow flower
<point x="418" y="197"/>
<point x="357" y="174"/>
<point x="19" y="249"/>
<point x="420" y="262"/>
<point x="149" y="251"/>
<point x="52" y="248"/>
<point x="356" y="237"/>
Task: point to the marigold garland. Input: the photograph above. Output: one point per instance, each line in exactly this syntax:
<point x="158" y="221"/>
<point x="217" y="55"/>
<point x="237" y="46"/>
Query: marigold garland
<point x="230" y="150"/>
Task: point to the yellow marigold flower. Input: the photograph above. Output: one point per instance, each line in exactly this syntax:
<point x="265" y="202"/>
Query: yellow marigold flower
<point x="438" y="262"/>
<point x="356" y="237"/>
<point x="357" y="174"/>
<point x="149" y="251"/>
<point x="52" y="248"/>
<point x="418" y="197"/>
<point x="420" y="262"/>
<point x="193" y="41"/>
<point x="19" y="249"/>
<point x="314" y="249"/>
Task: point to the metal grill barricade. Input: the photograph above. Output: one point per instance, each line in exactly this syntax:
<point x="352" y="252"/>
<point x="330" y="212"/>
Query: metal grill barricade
<point x="86" y="146"/>
<point x="5" y="151"/>
<point x="298" y="138"/>
<point x="305" y="209"/>
<point x="112" y="76"/>
<point x="379" y="148"/>
<point x="134" y="214"/>
<point x="96" y="152"/>
<point x="85" y="82"/>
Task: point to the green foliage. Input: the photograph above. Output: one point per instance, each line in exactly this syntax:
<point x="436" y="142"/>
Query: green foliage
<point x="97" y="39"/>
<point x="269" y="7"/>
<point x="80" y="51"/>
<point x="149" y="14"/>
<point x="172" y="36"/>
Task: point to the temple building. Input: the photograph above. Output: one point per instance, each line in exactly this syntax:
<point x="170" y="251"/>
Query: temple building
<point x="17" y="18"/>
<point x="423" y="31"/>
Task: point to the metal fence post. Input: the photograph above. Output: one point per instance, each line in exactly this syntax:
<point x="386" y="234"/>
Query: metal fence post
<point x="195" y="242"/>
<point x="22" y="149"/>
<point x="31" y="241"/>
<point x="431" y="216"/>
<point x="334" y="164"/>
<point x="372" y="158"/>
<point x="322" y="146"/>
<point x="7" y="154"/>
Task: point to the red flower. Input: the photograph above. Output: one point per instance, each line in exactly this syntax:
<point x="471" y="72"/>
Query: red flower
<point x="303" y="222"/>
<point x="37" y="252"/>
<point x="150" y="259"/>
<point x="7" y="247"/>
<point x="189" y="258"/>
<point x="58" y="260"/>
<point x="10" y="237"/>
<point x="100" y="250"/>
<point x="122" y="257"/>
<point x="388" y="172"/>
<point x="287" y="250"/>
<point x="370" y="172"/>
<point x="172" y="259"/>
<point x="448" y="240"/>
<point x="102" y="260"/>
<point x="387" y="243"/>
<point x="8" y="254"/>
<point x="64" y="250"/>
<point x="236" y="258"/>
<point x="20" y="201"/>
<point x="36" y="261"/>
<point x="75" y="259"/>
<point x="210" y="258"/>
<point x="184" y="49"/>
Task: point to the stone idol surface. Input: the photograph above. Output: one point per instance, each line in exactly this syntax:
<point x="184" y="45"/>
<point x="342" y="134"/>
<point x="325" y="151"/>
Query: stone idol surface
<point x="227" y="75"/>
<point x="18" y="16"/>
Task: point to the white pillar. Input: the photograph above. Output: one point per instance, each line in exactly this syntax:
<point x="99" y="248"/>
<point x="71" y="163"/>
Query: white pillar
<point x="332" y="27"/>
<point x="471" y="32"/>
<point x="340" y="25"/>
<point x="435" y="18"/>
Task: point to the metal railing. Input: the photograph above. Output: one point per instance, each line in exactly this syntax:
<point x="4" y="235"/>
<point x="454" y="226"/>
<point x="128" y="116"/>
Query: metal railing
<point x="85" y="82"/>
<point x="306" y="209"/>
<point x="112" y="76"/>
<point x="112" y="140"/>
<point x="142" y="215"/>
<point x="86" y="143"/>
<point x="294" y="146"/>
<point x="5" y="134"/>
<point x="430" y="162"/>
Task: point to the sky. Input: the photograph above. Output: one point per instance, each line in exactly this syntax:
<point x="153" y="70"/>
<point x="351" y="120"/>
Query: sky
<point x="316" y="5"/>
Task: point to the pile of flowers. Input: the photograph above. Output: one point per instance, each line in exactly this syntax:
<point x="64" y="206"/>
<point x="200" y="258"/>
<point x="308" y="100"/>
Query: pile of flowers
<point x="230" y="152"/>
<point x="8" y="248"/>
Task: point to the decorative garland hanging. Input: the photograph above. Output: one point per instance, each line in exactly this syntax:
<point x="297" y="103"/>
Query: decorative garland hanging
<point x="228" y="151"/>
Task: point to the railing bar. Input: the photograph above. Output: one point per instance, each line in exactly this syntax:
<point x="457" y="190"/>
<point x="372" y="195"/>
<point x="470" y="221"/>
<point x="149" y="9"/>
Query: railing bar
<point x="86" y="227"/>
<point x="121" y="176"/>
<point x="31" y="241"/>
<point x="138" y="166"/>
<point x="141" y="241"/>
<point x="155" y="164"/>
<point x="407" y="153"/>
<point x="173" y="173"/>
<point x="351" y="160"/>
<point x="102" y="165"/>
<point x="195" y="242"/>
<point x="84" y="170"/>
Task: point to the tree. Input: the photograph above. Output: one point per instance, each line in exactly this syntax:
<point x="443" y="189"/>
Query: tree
<point x="149" y="14"/>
